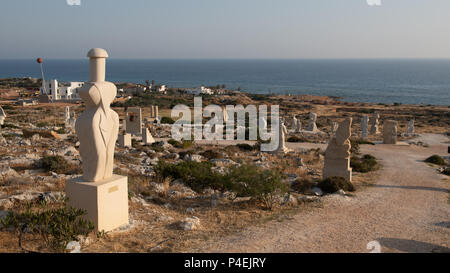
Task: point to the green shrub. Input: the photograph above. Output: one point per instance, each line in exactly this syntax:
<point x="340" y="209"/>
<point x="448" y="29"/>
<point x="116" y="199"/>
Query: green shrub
<point x="435" y="159"/>
<point x="57" y="164"/>
<point x="197" y="175"/>
<point x="167" y="120"/>
<point x="333" y="184"/>
<point x="182" y="145"/>
<point x="365" y="164"/>
<point x="55" y="227"/>
<point x="248" y="180"/>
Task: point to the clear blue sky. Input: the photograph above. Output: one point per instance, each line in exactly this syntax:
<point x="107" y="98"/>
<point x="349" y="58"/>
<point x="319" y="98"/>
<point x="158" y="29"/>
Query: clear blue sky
<point x="226" y="28"/>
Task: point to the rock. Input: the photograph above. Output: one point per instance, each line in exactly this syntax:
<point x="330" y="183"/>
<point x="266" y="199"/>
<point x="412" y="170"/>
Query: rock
<point x="317" y="191"/>
<point x="51" y="196"/>
<point x="190" y="223"/>
<point x="25" y="142"/>
<point x="163" y="218"/>
<point x="83" y="240"/>
<point x="289" y="200"/>
<point x="26" y="196"/>
<point x="73" y="247"/>
<point x="192" y="157"/>
<point x="190" y="210"/>
<point x="6" y="171"/>
<point x="157" y="187"/>
<point x="341" y="192"/>
<point x="308" y="199"/>
<point x="6" y="204"/>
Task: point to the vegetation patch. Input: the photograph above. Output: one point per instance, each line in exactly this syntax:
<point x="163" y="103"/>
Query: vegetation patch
<point x="435" y="159"/>
<point x="364" y="164"/>
<point x="335" y="183"/>
<point x="57" y="164"/>
<point x="302" y="185"/>
<point x="54" y="227"/>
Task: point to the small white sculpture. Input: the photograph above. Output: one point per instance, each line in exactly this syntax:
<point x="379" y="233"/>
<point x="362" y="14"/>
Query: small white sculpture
<point x="282" y="132"/>
<point x="312" y="127"/>
<point x="98" y="126"/>
<point x="374" y="124"/>
<point x="410" y="130"/>
<point x="2" y="116"/>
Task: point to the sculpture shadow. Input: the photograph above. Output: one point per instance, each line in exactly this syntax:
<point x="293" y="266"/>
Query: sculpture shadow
<point x="413" y="188"/>
<point x="412" y="246"/>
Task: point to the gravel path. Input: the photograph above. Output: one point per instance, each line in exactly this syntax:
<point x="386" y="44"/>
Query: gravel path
<point x="406" y="211"/>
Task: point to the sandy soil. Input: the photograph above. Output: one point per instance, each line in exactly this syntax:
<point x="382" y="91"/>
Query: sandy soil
<point x="406" y="210"/>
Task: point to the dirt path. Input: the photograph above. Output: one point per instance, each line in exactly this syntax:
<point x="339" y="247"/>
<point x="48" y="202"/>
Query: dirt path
<point x="406" y="211"/>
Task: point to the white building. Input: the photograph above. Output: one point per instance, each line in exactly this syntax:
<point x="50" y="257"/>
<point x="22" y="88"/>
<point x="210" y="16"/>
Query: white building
<point x="199" y="91"/>
<point x="62" y="92"/>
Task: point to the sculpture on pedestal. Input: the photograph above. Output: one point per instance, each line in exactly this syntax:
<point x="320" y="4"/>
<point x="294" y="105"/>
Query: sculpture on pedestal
<point x="364" y="127"/>
<point x="98" y="126"/>
<point x="312" y="127"/>
<point x="390" y="132"/>
<point x="337" y="154"/>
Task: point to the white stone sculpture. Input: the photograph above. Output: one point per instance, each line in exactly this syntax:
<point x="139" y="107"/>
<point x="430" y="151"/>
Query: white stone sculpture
<point x="98" y="126"/>
<point x="282" y="132"/>
<point x="390" y="132"/>
<point x="312" y="127"/>
<point x="364" y="127"/>
<point x="298" y="126"/>
<point x="2" y="116"/>
<point x="101" y="194"/>
<point x="337" y="154"/>
<point x="374" y="124"/>
<point x="124" y="140"/>
<point x="147" y="137"/>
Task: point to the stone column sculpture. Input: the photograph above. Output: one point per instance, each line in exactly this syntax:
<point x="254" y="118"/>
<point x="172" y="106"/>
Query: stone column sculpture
<point x="2" y="116"/>
<point x="334" y="127"/>
<point x="374" y="124"/>
<point x="298" y="126"/>
<point x="282" y="132"/>
<point x="410" y="130"/>
<point x="390" y="132"/>
<point x="312" y="127"/>
<point x="337" y="154"/>
<point x="103" y="195"/>
<point x="364" y="127"/>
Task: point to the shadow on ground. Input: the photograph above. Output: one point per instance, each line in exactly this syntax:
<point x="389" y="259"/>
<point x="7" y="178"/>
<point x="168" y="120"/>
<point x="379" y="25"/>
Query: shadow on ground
<point x="411" y="246"/>
<point x="413" y="188"/>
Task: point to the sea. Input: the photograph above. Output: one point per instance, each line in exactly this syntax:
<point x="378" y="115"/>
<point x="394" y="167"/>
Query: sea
<point x="405" y="81"/>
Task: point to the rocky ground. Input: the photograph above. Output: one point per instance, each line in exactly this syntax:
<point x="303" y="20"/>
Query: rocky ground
<point x="172" y="217"/>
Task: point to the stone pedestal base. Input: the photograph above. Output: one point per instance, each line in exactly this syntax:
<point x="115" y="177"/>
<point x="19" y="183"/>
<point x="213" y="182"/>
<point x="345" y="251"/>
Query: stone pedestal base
<point x="106" y="202"/>
<point x="337" y="167"/>
<point x="124" y="140"/>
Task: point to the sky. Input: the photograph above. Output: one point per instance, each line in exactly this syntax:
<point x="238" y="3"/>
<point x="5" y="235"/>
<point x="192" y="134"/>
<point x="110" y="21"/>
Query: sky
<point x="225" y="29"/>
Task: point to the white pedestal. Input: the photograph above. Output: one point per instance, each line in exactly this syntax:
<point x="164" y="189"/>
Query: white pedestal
<point x="106" y="202"/>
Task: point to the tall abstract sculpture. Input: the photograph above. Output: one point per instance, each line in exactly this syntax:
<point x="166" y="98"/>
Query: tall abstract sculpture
<point x="103" y="195"/>
<point x="98" y="126"/>
<point x="337" y="154"/>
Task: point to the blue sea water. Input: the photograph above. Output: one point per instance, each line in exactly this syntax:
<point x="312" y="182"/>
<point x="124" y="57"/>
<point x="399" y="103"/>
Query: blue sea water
<point x="378" y="81"/>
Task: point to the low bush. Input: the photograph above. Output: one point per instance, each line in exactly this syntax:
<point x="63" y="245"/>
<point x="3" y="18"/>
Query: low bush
<point x="57" y="164"/>
<point x="435" y="159"/>
<point x="167" y="120"/>
<point x="296" y="139"/>
<point x="302" y="185"/>
<point x="55" y="227"/>
<point x="333" y="184"/>
<point x="245" y="180"/>
<point x="364" y="164"/>
<point x="446" y="171"/>
<point x="211" y="154"/>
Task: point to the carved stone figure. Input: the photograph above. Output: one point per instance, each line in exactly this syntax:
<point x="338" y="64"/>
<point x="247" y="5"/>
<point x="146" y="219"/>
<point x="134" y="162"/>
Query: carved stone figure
<point x="2" y="116"/>
<point x="364" y="126"/>
<point x="133" y="118"/>
<point x="282" y="132"/>
<point x="337" y="154"/>
<point x="374" y="124"/>
<point x="390" y="132"/>
<point x="147" y="137"/>
<point x="410" y="130"/>
<point x="334" y="126"/>
<point x="312" y="127"/>
<point x="298" y="126"/>
<point x="98" y="126"/>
